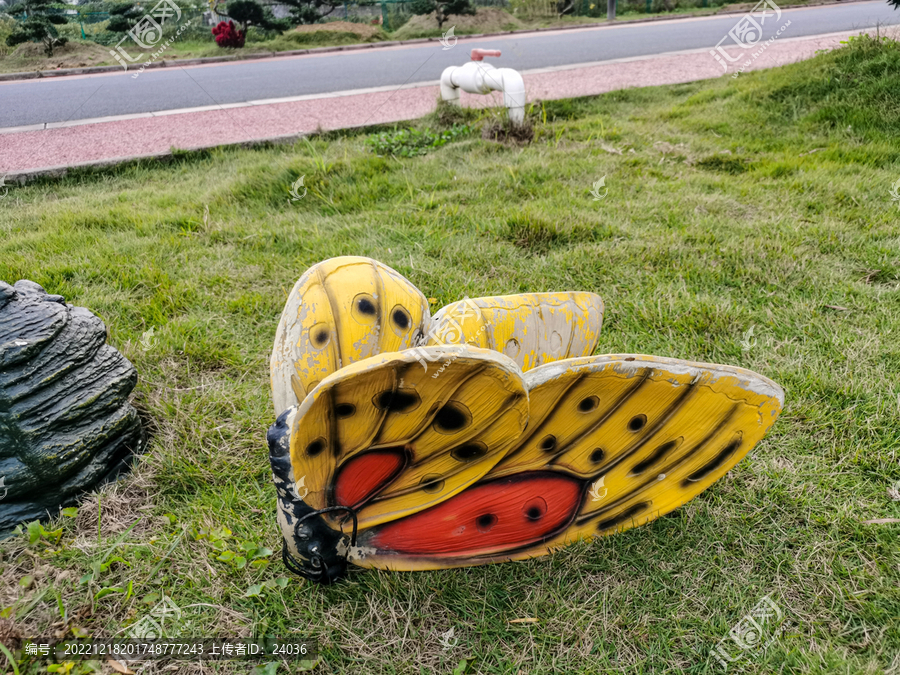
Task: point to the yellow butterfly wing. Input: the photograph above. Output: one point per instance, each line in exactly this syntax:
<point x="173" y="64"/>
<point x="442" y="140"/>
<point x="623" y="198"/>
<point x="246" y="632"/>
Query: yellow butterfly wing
<point x="530" y="328"/>
<point x="389" y="438"/>
<point x="612" y="442"/>
<point x="341" y="311"/>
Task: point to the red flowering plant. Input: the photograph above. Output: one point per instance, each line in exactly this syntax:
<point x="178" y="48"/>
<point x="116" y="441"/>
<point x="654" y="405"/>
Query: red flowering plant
<point x="229" y="36"/>
<point x="246" y="13"/>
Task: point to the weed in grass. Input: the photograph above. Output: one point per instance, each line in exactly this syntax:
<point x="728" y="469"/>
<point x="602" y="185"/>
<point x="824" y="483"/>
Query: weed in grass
<point x="725" y="163"/>
<point x="539" y="236"/>
<point x="503" y="131"/>
<point x="448" y="115"/>
<point x="413" y="142"/>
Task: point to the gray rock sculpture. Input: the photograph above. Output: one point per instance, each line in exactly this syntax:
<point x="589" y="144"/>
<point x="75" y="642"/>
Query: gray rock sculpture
<point x="65" y="422"/>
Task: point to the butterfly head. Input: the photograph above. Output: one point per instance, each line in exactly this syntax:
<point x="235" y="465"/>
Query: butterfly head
<point x="311" y="548"/>
<point x="315" y="551"/>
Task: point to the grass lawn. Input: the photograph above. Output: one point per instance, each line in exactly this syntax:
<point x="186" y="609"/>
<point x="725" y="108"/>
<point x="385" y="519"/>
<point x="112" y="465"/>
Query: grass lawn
<point x="748" y="221"/>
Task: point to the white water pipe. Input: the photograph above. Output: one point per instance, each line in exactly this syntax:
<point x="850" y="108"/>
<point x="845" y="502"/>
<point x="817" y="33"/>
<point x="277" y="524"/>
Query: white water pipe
<point x="477" y="77"/>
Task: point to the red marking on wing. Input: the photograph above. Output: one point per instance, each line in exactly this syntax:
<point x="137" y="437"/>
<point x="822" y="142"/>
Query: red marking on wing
<point x="363" y="475"/>
<point x="505" y="513"/>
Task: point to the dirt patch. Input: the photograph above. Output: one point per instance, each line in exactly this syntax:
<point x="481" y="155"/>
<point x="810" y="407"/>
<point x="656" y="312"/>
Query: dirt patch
<point x="363" y="30"/>
<point x="486" y="20"/>
<point x="503" y="132"/>
<point x="73" y="54"/>
<point x="117" y="507"/>
<point x="738" y="7"/>
<point x="10" y="635"/>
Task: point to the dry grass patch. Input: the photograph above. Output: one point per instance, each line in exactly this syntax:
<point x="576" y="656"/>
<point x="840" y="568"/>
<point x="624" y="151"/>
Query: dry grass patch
<point x="363" y="30"/>
<point x="73" y="54"/>
<point x="485" y="20"/>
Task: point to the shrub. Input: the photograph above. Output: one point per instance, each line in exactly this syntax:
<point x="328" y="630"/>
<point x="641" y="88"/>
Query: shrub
<point x="442" y="8"/>
<point x="7" y="27"/>
<point x="229" y="36"/>
<point x="531" y="9"/>
<point x="123" y="16"/>
<point x="38" y="25"/>
<point x="250" y="13"/>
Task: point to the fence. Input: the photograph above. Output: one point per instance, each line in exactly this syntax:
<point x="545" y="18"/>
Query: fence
<point x="392" y="14"/>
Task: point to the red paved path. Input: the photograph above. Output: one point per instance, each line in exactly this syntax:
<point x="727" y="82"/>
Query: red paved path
<point x="99" y="141"/>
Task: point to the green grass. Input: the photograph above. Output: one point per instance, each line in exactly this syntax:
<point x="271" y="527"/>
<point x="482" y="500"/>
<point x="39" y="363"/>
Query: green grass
<point x="719" y="218"/>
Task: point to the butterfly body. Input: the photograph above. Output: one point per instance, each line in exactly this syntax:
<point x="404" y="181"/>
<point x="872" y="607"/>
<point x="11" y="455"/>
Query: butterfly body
<point x="500" y="456"/>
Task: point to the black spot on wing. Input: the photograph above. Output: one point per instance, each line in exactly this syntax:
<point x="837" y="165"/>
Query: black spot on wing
<point x="588" y="404"/>
<point x="469" y="451"/>
<point x="365" y="306"/>
<point x="432" y="483"/>
<point x="400" y="401"/>
<point x="721" y="457"/>
<point x="343" y="410"/>
<point x="485" y="523"/>
<point x="401" y="318"/>
<point x="637" y="423"/>
<point x="453" y="417"/>
<point x="656" y="456"/>
<point x="315" y="447"/>
<point x="535" y="509"/>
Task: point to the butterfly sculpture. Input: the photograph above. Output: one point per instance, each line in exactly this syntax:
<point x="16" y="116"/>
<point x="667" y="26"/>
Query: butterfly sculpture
<point x="486" y="433"/>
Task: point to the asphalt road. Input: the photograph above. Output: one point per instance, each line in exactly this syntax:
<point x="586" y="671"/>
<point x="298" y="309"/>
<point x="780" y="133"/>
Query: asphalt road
<point x="72" y="98"/>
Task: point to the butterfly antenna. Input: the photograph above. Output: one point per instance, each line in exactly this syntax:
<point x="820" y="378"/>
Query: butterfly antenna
<point x="329" y="509"/>
<point x="318" y="569"/>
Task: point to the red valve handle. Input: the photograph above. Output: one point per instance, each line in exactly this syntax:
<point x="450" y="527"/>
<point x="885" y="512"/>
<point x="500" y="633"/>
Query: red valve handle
<point x="479" y="54"/>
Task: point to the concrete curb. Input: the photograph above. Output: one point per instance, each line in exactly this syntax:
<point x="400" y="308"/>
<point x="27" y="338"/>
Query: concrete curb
<point x="90" y="70"/>
<point x="59" y="171"/>
<point x="23" y="177"/>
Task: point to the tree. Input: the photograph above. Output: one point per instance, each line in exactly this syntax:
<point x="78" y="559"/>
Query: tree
<point x="250" y="13"/>
<point x="442" y="8"/>
<point x="309" y="11"/>
<point x="38" y="25"/>
<point x="123" y="16"/>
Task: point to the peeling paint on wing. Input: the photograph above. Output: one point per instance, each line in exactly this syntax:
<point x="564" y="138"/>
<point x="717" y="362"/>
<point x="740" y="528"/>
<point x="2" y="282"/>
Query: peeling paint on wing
<point x="630" y="365"/>
<point x="323" y="300"/>
<point x="533" y="328"/>
<point x="354" y="553"/>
